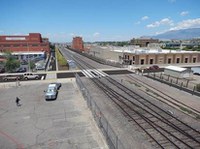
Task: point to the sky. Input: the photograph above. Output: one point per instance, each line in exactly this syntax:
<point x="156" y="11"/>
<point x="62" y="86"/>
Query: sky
<point x="97" y="20"/>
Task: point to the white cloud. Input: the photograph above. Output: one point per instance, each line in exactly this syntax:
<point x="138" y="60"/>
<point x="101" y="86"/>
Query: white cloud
<point x="165" y="21"/>
<point x="184" y="13"/>
<point x="191" y="23"/>
<point x="96" y="34"/>
<point x="160" y="32"/>
<point x="144" y="18"/>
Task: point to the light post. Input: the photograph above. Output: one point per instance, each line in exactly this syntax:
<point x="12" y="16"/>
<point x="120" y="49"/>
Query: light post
<point x="28" y="58"/>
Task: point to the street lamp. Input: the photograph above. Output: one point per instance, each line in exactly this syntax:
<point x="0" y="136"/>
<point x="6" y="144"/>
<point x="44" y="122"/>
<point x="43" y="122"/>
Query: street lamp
<point x="28" y="58"/>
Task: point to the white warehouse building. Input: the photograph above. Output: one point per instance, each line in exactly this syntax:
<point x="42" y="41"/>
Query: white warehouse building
<point x="178" y="72"/>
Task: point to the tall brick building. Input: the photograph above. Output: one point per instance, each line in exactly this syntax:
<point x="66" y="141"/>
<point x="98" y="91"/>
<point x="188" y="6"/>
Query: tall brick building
<point x="77" y="43"/>
<point x="23" y="43"/>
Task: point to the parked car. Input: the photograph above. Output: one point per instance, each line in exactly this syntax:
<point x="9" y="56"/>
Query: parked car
<point x="51" y="93"/>
<point x="196" y="73"/>
<point x="56" y="85"/>
<point x="10" y="77"/>
<point x="2" y="70"/>
<point x="21" y="70"/>
<point x="23" y="62"/>
<point x="154" y="67"/>
<point x="28" y="76"/>
<point x="39" y="67"/>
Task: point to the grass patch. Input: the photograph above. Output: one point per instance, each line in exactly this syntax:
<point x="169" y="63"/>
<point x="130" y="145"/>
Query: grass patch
<point x="137" y="85"/>
<point x="62" y="62"/>
<point x="186" y="110"/>
<point x="198" y="117"/>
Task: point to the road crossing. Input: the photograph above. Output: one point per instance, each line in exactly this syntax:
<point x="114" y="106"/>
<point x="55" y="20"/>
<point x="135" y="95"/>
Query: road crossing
<point x="93" y="73"/>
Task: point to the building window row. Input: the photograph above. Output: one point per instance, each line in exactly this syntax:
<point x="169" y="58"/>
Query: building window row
<point x="22" y="45"/>
<point x="169" y="61"/>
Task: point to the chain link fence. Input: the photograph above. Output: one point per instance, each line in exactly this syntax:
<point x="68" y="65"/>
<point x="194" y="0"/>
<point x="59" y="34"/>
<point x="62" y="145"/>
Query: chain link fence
<point x="112" y="139"/>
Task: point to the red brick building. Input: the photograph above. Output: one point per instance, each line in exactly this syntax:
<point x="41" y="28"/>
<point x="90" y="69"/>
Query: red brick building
<point x="25" y="43"/>
<point x="77" y="43"/>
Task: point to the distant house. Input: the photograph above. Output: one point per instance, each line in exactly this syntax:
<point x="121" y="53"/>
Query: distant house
<point x="178" y="72"/>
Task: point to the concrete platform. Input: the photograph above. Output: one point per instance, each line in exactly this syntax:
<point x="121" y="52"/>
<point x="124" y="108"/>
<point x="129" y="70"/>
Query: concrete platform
<point x="64" y="123"/>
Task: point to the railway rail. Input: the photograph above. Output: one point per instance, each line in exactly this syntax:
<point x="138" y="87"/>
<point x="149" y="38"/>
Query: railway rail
<point x="166" y="97"/>
<point x="162" y="129"/>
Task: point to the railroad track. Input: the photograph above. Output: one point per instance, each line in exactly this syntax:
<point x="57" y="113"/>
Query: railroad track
<point x="166" y="97"/>
<point x="162" y="129"/>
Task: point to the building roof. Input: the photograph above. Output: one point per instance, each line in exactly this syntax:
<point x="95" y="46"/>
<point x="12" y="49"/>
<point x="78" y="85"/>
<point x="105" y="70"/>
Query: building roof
<point x="175" y="68"/>
<point x="144" y="50"/>
<point x="25" y="52"/>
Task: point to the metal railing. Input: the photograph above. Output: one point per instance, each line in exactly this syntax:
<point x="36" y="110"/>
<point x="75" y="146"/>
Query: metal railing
<point x="112" y="139"/>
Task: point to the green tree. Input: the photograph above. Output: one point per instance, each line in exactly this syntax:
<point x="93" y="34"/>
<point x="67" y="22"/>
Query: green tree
<point x="32" y="65"/>
<point x="11" y="62"/>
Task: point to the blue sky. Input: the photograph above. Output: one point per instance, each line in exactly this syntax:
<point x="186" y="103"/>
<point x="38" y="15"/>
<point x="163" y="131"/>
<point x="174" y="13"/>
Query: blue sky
<point x="97" y="20"/>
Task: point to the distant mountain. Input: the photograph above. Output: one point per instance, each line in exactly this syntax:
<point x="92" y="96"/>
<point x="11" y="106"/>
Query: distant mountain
<point x="180" y="34"/>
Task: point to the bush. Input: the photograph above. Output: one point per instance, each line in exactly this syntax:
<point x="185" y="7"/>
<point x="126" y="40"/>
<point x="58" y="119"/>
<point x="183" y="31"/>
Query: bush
<point x="62" y="62"/>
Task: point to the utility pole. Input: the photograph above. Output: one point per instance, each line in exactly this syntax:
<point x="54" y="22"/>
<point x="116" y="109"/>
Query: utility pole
<point x="28" y="57"/>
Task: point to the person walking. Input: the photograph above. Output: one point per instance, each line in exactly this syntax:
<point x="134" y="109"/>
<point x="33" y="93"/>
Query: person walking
<point x="17" y="101"/>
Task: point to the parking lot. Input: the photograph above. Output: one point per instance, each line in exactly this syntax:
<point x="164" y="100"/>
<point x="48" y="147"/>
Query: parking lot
<point x="64" y="123"/>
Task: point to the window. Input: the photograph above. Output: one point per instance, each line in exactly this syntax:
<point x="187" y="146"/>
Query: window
<point x="142" y="61"/>
<point x="151" y="61"/>
<point x="178" y="60"/>
<point x="34" y="45"/>
<point x="194" y="59"/>
<point x="44" y="45"/>
<point x="169" y="60"/>
<point x="133" y="58"/>
<point x="125" y="56"/>
<point x="15" y="45"/>
<point x="6" y="45"/>
<point x="128" y="57"/>
<point x="186" y="60"/>
<point x="24" y="45"/>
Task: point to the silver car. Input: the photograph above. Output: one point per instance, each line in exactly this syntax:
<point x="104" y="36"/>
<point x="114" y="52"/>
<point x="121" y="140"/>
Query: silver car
<point x="51" y="93"/>
<point x="28" y="76"/>
<point x="55" y="84"/>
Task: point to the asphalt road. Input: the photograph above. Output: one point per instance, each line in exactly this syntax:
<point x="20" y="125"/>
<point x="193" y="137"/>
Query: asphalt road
<point x="20" y="75"/>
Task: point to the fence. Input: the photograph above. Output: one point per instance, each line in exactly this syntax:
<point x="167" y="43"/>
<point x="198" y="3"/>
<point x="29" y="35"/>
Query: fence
<point x="180" y="83"/>
<point x="112" y="139"/>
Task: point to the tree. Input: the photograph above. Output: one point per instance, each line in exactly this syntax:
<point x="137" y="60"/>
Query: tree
<point x="32" y="65"/>
<point x="11" y="62"/>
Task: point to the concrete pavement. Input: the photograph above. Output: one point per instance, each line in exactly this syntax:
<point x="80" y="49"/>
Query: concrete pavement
<point x="65" y="123"/>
